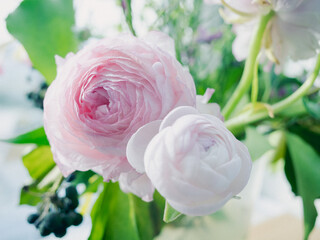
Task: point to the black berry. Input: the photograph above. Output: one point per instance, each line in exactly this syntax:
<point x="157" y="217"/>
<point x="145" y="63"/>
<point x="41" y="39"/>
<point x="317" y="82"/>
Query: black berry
<point x="44" y="231"/>
<point x="71" y="192"/>
<point x="60" y="232"/>
<point x="53" y="221"/>
<point x="32" y="218"/>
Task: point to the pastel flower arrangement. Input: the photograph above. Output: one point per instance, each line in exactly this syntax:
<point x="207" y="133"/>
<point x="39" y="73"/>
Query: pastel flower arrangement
<point x="106" y="106"/>
<point x="123" y="108"/>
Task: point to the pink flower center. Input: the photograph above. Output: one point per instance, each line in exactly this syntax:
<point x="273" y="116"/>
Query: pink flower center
<point x="95" y="103"/>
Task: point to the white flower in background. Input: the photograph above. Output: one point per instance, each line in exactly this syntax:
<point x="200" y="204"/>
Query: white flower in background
<point x="293" y="32"/>
<point x="192" y="159"/>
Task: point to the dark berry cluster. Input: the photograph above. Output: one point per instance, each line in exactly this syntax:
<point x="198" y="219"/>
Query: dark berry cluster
<point x="55" y="214"/>
<point x="37" y="95"/>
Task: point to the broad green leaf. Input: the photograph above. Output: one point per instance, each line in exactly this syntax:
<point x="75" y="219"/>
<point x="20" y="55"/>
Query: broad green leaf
<point x="39" y="162"/>
<point x="44" y="27"/>
<point x="32" y="195"/>
<point x="313" y="106"/>
<point x="140" y="211"/>
<point x="256" y="143"/>
<point x="37" y="136"/>
<point x="117" y="215"/>
<point x="296" y="109"/>
<point x="290" y="173"/>
<point x="170" y="214"/>
<point x="307" y="135"/>
<point x="306" y="167"/>
<point x="157" y="207"/>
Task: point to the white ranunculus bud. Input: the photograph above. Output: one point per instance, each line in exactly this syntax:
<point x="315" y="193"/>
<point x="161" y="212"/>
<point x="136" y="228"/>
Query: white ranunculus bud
<point x="194" y="161"/>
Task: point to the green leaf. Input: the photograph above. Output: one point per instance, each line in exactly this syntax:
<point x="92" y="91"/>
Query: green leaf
<point x="290" y="173"/>
<point x="117" y="215"/>
<point x="313" y="106"/>
<point x="140" y="212"/>
<point x="296" y="109"/>
<point x="44" y="27"/>
<point x="31" y="195"/>
<point x="256" y="143"/>
<point x="306" y="166"/>
<point x="307" y="135"/>
<point x="157" y="207"/>
<point x="37" y="136"/>
<point x="170" y="214"/>
<point x="39" y="162"/>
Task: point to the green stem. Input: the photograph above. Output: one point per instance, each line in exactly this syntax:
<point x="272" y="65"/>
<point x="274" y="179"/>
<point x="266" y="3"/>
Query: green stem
<point x="56" y="184"/>
<point x="255" y="82"/>
<point x="127" y="10"/>
<point x="248" y="71"/>
<point x="244" y="119"/>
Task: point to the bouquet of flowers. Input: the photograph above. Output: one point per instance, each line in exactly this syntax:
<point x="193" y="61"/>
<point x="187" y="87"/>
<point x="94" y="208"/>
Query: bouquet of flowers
<point x="122" y="117"/>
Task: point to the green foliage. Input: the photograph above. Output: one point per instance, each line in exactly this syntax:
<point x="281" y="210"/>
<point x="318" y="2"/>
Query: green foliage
<point x="307" y="133"/>
<point x="37" y="136"/>
<point x="225" y="77"/>
<point x="117" y="215"/>
<point x="44" y="27"/>
<point x="313" y="106"/>
<point x="39" y="162"/>
<point x="90" y="179"/>
<point x="156" y="208"/>
<point x="256" y="143"/>
<point x="305" y="164"/>
<point x="140" y="211"/>
<point x="170" y="214"/>
<point x="32" y="195"/>
<point x="181" y="29"/>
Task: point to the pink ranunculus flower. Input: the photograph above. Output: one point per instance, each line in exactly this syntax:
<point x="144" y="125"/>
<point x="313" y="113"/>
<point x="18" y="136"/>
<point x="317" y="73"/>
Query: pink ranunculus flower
<point x="293" y="32"/>
<point x="192" y="159"/>
<point x="104" y="94"/>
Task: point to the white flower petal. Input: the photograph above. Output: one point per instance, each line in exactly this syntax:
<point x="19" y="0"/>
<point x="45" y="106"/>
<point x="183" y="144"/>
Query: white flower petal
<point x="175" y="114"/>
<point x="285" y="5"/>
<point x="138" y="184"/>
<point x="290" y="40"/>
<point x="240" y="46"/>
<point x="202" y="209"/>
<point x="138" y="144"/>
<point x="306" y="14"/>
<point x="196" y="163"/>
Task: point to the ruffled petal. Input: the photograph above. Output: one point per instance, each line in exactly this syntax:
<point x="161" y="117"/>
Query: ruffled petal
<point x="138" y="144"/>
<point x="138" y="184"/>
<point x="175" y="114"/>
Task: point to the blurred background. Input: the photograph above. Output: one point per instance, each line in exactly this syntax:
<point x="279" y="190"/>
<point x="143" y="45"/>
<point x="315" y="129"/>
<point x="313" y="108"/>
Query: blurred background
<point x="204" y="45"/>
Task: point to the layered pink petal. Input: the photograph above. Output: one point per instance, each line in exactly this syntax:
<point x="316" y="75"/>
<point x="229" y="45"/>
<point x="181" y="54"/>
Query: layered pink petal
<point x="104" y="93"/>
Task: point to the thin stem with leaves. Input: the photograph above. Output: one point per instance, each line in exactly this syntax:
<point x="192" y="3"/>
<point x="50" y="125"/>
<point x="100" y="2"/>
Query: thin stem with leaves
<point x="245" y="118"/>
